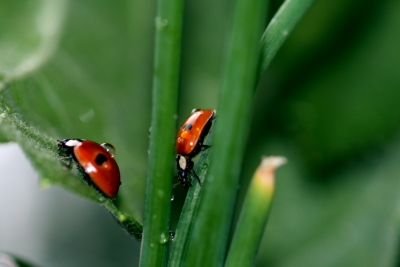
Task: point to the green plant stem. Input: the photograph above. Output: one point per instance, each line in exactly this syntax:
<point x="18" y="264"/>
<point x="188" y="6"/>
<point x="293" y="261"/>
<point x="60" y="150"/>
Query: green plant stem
<point x="279" y="28"/>
<point x="184" y="228"/>
<point x="211" y="230"/>
<point x="162" y="139"/>
<point x="253" y="217"/>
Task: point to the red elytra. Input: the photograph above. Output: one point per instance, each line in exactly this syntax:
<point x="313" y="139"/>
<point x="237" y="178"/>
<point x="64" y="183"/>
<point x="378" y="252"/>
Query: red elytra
<point x="193" y="131"/>
<point x="189" y="143"/>
<point x="97" y="162"/>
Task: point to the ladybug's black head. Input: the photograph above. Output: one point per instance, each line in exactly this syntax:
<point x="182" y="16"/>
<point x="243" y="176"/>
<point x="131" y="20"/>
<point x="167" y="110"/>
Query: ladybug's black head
<point x="68" y="143"/>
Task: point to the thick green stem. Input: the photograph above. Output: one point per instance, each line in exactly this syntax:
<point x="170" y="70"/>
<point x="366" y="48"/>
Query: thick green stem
<point x="211" y="230"/>
<point x="154" y="249"/>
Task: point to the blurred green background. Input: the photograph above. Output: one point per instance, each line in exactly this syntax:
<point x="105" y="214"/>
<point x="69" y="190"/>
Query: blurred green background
<point x="328" y="102"/>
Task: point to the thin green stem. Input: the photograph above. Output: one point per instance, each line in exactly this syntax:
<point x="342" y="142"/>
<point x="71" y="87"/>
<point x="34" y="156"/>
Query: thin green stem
<point x="189" y="211"/>
<point x="211" y="230"/>
<point x="279" y="28"/>
<point x="255" y="210"/>
<point x="160" y="171"/>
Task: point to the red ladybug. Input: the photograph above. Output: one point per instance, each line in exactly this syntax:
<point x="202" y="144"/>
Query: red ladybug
<point x="98" y="163"/>
<point x="189" y="142"/>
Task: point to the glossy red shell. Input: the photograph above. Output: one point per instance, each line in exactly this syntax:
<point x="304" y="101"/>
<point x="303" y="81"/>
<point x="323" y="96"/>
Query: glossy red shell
<point x="100" y="165"/>
<point x="192" y="130"/>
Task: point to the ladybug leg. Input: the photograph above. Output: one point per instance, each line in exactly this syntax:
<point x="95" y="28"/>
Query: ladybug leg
<point x="197" y="177"/>
<point x="183" y="180"/>
<point x="190" y="167"/>
<point x="65" y="153"/>
<point x="178" y="183"/>
<point x="186" y="184"/>
<point x="205" y="147"/>
<point x="69" y="164"/>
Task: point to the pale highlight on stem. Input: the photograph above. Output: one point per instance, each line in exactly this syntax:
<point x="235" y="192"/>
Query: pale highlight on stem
<point x="264" y="175"/>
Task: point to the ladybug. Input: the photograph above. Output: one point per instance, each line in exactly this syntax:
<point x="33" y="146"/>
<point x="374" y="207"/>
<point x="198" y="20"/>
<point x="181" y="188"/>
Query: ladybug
<point x="189" y="142"/>
<point x="97" y="162"/>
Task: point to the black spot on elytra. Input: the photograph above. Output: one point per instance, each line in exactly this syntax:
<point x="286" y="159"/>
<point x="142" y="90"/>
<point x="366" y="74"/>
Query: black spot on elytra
<point x="100" y="159"/>
<point x="187" y="127"/>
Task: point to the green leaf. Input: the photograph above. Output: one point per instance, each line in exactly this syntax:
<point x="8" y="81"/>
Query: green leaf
<point x="31" y="36"/>
<point x="55" y="86"/>
<point x="43" y="153"/>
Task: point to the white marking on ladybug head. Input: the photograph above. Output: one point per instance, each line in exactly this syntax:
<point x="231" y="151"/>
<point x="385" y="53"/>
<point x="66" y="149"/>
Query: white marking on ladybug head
<point x="182" y="162"/>
<point x="72" y="143"/>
